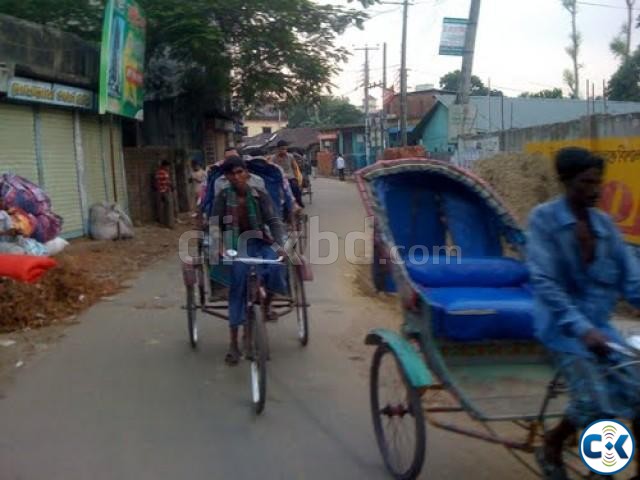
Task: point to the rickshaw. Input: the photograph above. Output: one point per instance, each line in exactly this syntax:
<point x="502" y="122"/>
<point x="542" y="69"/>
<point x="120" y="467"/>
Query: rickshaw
<point x="207" y="278"/>
<point x="464" y="359"/>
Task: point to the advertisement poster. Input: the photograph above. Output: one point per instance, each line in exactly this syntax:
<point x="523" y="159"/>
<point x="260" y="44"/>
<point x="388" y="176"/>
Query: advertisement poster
<point x="122" y="59"/>
<point x="621" y="190"/>
<point x="452" y="40"/>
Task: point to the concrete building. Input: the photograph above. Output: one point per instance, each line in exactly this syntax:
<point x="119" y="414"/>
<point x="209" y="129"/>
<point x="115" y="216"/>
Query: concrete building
<point x="266" y="120"/>
<point x="439" y="129"/>
<point x="50" y="131"/>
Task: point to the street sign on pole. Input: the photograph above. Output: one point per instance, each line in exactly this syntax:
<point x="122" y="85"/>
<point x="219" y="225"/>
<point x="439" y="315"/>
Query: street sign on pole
<point x="453" y="36"/>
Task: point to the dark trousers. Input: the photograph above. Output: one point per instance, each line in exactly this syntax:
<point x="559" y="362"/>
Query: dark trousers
<point x="341" y="174"/>
<point x="165" y="209"/>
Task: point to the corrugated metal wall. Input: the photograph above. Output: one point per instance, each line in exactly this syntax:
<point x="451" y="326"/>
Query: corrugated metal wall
<point x="37" y="142"/>
<point x="94" y="172"/>
<point x="108" y="161"/>
<point x="17" y="141"/>
<point x="59" y="167"/>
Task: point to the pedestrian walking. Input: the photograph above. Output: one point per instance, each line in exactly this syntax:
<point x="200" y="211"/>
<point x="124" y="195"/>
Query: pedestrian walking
<point x="340" y="164"/>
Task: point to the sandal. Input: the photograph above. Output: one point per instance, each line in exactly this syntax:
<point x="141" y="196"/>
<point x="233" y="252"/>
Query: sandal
<point x="232" y="357"/>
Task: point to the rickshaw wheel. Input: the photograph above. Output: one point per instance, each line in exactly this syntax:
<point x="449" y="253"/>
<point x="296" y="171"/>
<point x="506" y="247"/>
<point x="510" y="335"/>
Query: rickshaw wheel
<point x="192" y="319"/>
<point x="259" y="346"/>
<point x="398" y="418"/>
<point x="302" y="313"/>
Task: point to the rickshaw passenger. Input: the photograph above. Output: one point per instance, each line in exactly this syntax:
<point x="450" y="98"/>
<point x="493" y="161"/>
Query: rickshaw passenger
<point x="288" y="201"/>
<point x="291" y="169"/>
<point x="579" y="265"/>
<point x="221" y="183"/>
<point x="244" y="213"/>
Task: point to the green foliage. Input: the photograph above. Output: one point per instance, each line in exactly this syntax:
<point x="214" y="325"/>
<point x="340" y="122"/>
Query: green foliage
<point x="625" y="83"/>
<point x="619" y="46"/>
<point x="327" y="111"/>
<point x="451" y="82"/>
<point x="259" y="51"/>
<point x="547" y="93"/>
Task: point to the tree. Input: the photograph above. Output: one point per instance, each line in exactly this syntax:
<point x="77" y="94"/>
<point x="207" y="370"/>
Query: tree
<point x="257" y="51"/>
<point x="327" y="111"/>
<point x="621" y="45"/>
<point x="451" y="82"/>
<point x="572" y="78"/>
<point x="553" y="93"/>
<point x="625" y="83"/>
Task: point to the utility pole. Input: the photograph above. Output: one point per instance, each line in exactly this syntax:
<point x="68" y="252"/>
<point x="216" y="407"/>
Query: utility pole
<point x="464" y="90"/>
<point x="367" y="133"/>
<point x="383" y="118"/>
<point x="403" y="76"/>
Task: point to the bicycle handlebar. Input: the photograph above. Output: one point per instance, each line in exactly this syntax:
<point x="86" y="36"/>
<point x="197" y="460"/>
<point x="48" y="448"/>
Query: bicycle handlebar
<point x="625" y="350"/>
<point x="254" y="261"/>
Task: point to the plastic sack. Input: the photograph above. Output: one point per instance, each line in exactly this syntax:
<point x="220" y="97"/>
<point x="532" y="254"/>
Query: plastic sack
<point x="107" y="221"/>
<point x="56" y="246"/>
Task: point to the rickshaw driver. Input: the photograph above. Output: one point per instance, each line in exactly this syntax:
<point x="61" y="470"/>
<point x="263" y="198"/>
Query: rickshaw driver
<point x="248" y="224"/>
<point x="579" y="265"/>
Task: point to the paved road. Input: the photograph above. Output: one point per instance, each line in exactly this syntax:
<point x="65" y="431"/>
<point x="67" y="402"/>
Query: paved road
<point x="122" y="396"/>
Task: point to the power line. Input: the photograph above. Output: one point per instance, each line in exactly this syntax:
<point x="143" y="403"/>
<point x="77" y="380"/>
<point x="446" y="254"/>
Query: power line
<point x="606" y="5"/>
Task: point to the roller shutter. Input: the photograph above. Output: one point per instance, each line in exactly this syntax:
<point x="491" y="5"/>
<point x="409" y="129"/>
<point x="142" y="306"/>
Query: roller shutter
<point x="17" y="141"/>
<point x="59" y="168"/>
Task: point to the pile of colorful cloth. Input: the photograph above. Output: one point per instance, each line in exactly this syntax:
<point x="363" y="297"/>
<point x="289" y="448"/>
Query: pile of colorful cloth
<point x="27" y="222"/>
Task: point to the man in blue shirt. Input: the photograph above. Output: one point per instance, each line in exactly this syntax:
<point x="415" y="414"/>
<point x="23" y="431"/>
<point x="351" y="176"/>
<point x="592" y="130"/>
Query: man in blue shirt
<point x="579" y="266"/>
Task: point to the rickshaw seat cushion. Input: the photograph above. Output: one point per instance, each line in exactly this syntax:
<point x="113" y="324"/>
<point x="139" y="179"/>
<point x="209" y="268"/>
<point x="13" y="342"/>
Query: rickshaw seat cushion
<point x="470" y="272"/>
<point x="476" y="314"/>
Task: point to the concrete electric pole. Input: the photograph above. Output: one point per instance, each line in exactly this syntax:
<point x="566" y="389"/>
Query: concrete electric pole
<point x="383" y="113"/>
<point x="464" y="90"/>
<point x="403" y="76"/>
<point x="367" y="130"/>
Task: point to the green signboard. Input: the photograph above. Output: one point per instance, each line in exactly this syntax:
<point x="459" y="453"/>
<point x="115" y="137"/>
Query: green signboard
<point x="122" y="59"/>
<point x="452" y="40"/>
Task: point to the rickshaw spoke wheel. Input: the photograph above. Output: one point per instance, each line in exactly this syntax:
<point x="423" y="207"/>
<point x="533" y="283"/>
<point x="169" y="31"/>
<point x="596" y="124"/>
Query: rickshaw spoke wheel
<point x="302" y="311"/>
<point x="397" y="414"/>
<point x="192" y="319"/>
<point x="259" y="346"/>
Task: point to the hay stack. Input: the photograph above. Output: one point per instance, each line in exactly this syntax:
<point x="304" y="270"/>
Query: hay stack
<point x="522" y="180"/>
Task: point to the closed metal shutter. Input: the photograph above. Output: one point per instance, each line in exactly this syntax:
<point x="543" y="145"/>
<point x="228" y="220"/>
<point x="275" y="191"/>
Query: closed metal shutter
<point x="59" y="168"/>
<point x="94" y="179"/>
<point x="17" y="141"/>
<point x="121" y="183"/>
<point x="106" y="153"/>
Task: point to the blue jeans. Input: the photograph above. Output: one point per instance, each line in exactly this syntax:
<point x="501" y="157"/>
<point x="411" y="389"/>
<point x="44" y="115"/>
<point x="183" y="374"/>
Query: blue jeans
<point x="598" y="392"/>
<point x="272" y="276"/>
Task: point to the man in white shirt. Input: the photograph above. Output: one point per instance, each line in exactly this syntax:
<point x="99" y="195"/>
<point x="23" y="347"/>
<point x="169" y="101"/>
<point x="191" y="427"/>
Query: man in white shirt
<point x="340" y="164"/>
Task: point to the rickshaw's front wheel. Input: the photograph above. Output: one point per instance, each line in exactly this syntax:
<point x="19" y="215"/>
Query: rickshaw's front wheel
<point x="192" y="319"/>
<point x="398" y="418"/>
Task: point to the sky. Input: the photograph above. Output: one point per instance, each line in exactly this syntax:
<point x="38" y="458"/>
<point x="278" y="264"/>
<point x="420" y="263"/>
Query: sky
<point x="520" y="44"/>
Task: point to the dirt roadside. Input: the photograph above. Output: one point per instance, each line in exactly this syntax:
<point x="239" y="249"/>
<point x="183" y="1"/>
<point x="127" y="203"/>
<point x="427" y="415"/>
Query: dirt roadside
<point x="32" y="317"/>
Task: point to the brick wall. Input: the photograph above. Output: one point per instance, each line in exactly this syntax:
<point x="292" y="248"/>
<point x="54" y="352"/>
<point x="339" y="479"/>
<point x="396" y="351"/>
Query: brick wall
<point x="325" y="163"/>
<point x="140" y="165"/>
